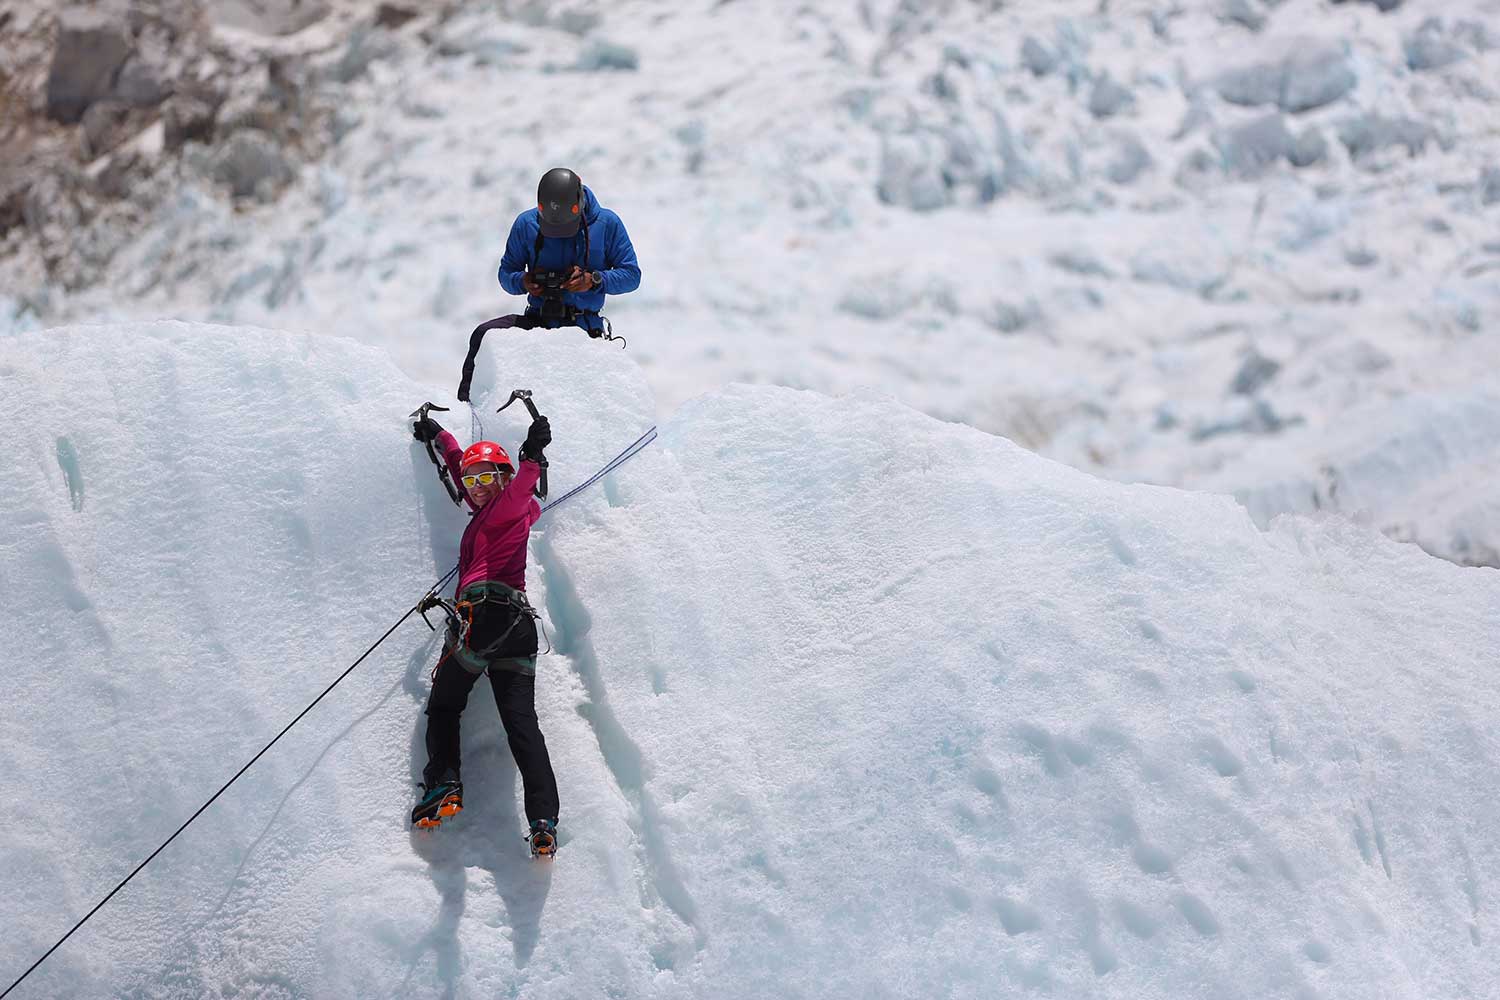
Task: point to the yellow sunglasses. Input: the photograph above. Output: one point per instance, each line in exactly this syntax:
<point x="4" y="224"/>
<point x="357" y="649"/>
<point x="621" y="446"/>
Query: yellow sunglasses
<point x="483" y="479"/>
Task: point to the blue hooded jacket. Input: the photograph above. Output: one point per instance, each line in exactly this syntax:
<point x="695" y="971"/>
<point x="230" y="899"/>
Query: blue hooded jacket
<point x="610" y="253"/>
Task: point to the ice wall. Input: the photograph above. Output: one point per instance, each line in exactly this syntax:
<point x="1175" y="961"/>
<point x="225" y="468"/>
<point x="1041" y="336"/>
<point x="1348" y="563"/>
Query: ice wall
<point x="844" y="702"/>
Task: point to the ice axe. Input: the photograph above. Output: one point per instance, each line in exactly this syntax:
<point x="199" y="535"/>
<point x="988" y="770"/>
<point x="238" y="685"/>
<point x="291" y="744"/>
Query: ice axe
<point x="419" y="415"/>
<point x="524" y="395"/>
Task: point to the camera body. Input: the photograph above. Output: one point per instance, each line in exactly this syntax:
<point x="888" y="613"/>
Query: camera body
<point x="553" y="309"/>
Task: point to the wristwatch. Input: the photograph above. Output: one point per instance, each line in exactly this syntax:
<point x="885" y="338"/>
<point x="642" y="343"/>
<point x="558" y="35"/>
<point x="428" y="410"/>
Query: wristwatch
<point x="598" y="279"/>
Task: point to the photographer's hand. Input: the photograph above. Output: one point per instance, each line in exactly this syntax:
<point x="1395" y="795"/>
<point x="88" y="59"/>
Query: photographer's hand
<point x="532" y="286"/>
<point x="579" y="280"/>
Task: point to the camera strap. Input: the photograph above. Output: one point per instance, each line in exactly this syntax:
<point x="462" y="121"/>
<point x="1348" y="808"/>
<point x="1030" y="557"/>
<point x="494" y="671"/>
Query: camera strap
<point x="529" y="321"/>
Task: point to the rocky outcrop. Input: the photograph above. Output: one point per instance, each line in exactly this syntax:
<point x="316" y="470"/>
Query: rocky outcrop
<point x="91" y="48"/>
<point x="108" y="106"/>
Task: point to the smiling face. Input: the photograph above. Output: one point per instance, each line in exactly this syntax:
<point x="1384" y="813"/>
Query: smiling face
<point x="482" y="493"/>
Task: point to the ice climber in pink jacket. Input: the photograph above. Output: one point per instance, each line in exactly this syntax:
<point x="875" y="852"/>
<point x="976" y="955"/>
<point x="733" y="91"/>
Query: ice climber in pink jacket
<point x="495" y="629"/>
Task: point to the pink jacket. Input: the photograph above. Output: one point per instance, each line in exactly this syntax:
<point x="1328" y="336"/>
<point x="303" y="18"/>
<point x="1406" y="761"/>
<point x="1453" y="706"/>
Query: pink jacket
<point x="494" y="543"/>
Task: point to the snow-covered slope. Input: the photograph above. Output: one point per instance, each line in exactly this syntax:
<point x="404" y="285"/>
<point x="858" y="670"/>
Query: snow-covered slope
<point x="844" y="702"/>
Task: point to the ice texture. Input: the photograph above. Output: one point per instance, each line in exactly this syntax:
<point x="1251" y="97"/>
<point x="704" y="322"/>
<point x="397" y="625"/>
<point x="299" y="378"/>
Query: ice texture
<point x="844" y="701"/>
<point x="1255" y="146"/>
<point x="1418" y="468"/>
<point x="1311" y="74"/>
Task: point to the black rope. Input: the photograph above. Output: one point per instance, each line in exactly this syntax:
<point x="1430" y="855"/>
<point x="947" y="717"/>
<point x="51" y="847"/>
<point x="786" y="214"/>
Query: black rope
<point x="435" y="587"/>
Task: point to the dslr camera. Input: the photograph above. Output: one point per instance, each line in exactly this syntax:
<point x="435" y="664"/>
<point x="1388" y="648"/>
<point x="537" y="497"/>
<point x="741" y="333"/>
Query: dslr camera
<point x="553" y="310"/>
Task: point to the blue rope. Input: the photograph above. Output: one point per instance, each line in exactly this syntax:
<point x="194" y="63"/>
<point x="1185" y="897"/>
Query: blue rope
<point x="614" y="463"/>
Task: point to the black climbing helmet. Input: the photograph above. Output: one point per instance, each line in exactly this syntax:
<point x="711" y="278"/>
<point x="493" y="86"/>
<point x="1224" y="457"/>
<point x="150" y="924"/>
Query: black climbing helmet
<point x="559" y="200"/>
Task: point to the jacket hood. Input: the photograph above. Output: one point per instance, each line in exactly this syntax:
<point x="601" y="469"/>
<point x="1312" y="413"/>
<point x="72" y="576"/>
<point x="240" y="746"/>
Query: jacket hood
<point x="590" y="206"/>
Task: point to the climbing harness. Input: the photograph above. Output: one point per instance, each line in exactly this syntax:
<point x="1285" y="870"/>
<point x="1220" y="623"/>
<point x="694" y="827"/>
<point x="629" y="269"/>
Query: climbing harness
<point x="460" y="623"/>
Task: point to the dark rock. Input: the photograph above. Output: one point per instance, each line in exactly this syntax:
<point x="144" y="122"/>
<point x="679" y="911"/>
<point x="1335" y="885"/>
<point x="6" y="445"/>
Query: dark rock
<point x="53" y="205"/>
<point x="187" y="118"/>
<point x="389" y="15"/>
<point x="1384" y="6"/>
<point x="250" y="163"/>
<point x="141" y="84"/>
<point x="118" y="177"/>
<point x="103" y="127"/>
<point x="173" y="19"/>
<point x="90" y="51"/>
<point x="13" y="186"/>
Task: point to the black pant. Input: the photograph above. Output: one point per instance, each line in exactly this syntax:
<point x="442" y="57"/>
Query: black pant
<point x="515" y="697"/>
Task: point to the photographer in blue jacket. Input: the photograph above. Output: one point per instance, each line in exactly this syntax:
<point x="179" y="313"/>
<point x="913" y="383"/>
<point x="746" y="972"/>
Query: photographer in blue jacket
<point x="567" y="254"/>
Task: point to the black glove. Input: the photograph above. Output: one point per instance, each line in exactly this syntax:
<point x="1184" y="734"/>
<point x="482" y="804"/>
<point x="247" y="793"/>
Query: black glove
<point x="426" y="429"/>
<point x="539" y="437"/>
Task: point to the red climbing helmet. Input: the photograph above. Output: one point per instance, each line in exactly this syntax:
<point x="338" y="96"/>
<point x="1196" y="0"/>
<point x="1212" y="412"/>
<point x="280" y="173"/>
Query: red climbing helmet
<point x="485" y="451"/>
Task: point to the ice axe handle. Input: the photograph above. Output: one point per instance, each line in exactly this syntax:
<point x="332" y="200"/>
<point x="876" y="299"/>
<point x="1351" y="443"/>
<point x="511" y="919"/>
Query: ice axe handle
<point x="524" y="395"/>
<point x="420" y="414"/>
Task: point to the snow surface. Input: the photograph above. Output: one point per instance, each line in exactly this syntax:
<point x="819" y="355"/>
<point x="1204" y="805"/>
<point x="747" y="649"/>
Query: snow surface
<point x="1072" y="223"/>
<point x="844" y="701"/>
